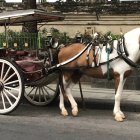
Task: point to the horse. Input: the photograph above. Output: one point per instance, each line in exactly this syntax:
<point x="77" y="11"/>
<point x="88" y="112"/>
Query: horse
<point x="117" y="64"/>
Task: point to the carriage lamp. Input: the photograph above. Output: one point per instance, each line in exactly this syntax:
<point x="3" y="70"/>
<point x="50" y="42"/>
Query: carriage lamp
<point x="48" y="41"/>
<point x="15" y="45"/>
<point x="4" y="44"/>
<point x="26" y="45"/>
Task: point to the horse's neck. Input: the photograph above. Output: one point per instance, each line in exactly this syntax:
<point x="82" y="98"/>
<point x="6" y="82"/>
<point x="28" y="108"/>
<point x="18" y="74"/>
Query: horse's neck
<point x="104" y="54"/>
<point x="133" y="52"/>
<point x="133" y="46"/>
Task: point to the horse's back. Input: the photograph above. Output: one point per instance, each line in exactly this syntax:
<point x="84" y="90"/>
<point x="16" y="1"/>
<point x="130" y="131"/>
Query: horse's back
<point x="69" y="51"/>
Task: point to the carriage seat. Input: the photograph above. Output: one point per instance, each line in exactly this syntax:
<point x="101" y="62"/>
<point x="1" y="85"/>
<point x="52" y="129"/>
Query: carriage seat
<point x="12" y="52"/>
<point x="2" y="52"/>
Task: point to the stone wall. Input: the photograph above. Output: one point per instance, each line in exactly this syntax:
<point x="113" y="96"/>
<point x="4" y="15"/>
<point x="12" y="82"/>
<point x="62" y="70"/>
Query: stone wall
<point x="132" y="83"/>
<point x="89" y="23"/>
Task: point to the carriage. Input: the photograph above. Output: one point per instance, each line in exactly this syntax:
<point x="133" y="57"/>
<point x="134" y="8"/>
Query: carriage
<point x="34" y="73"/>
<point x="22" y="62"/>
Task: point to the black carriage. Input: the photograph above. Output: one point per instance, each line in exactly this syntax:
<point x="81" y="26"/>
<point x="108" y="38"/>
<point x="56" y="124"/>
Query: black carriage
<point x="23" y="61"/>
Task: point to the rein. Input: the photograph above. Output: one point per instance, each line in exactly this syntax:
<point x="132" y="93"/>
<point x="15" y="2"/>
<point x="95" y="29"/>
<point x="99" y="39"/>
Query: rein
<point x="129" y="61"/>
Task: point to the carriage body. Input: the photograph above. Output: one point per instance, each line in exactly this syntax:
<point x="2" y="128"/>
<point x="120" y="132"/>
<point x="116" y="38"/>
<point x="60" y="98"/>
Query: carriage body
<point x="23" y="58"/>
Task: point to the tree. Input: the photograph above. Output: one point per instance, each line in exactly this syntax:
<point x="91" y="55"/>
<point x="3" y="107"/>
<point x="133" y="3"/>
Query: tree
<point x="32" y="26"/>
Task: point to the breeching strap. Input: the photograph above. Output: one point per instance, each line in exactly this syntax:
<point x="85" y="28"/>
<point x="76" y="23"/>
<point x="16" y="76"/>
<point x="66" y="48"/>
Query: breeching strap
<point x="128" y="61"/>
<point x="69" y="60"/>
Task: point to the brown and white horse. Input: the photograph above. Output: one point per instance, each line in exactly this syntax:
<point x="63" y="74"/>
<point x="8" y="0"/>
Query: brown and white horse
<point x="119" y="69"/>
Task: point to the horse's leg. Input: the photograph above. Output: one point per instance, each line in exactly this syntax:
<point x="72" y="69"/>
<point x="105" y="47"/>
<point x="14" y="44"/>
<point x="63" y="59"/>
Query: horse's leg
<point x="64" y="112"/>
<point x="119" y="83"/>
<point x="75" y="77"/>
<point x="71" y="99"/>
<point x="65" y="91"/>
<point x="62" y="94"/>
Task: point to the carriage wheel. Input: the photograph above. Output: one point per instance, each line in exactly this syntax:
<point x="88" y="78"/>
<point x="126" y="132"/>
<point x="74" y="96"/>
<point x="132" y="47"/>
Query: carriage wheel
<point x="11" y="86"/>
<point x="44" y="93"/>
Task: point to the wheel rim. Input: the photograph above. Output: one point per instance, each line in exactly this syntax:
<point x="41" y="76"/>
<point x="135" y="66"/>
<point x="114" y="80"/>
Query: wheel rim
<point x="42" y="95"/>
<point x="11" y="86"/>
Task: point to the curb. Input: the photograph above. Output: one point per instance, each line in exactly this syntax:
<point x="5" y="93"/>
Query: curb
<point x="106" y="104"/>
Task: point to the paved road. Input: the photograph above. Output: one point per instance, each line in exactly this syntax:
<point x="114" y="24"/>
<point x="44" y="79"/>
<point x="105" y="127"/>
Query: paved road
<point x="45" y="123"/>
<point x="103" y="98"/>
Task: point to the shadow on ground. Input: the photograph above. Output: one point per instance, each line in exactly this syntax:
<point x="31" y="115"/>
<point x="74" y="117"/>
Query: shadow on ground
<point x="26" y="109"/>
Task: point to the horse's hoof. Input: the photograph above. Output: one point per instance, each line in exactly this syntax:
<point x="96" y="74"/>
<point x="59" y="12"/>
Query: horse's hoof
<point x="123" y="116"/>
<point x="64" y="113"/>
<point x="119" y="118"/>
<point x="75" y="113"/>
<point x="119" y="114"/>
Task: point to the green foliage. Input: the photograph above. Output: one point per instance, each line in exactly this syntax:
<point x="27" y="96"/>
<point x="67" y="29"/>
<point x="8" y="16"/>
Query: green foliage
<point x="86" y="37"/>
<point x="61" y="36"/>
<point x="17" y="40"/>
<point x="21" y="41"/>
<point x="113" y="36"/>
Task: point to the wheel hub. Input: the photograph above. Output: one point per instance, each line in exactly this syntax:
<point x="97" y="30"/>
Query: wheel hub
<point x="1" y="86"/>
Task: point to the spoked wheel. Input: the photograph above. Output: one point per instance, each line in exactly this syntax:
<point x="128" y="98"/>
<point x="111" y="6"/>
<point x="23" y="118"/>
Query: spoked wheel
<point x="44" y="91"/>
<point x="11" y="86"/>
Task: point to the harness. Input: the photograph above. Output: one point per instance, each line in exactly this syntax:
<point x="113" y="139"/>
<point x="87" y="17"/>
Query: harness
<point x="97" y="50"/>
<point x="121" y="47"/>
<point x="121" y="50"/>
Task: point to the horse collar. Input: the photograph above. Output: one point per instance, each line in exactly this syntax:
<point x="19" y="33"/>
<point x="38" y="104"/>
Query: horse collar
<point x="121" y="47"/>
